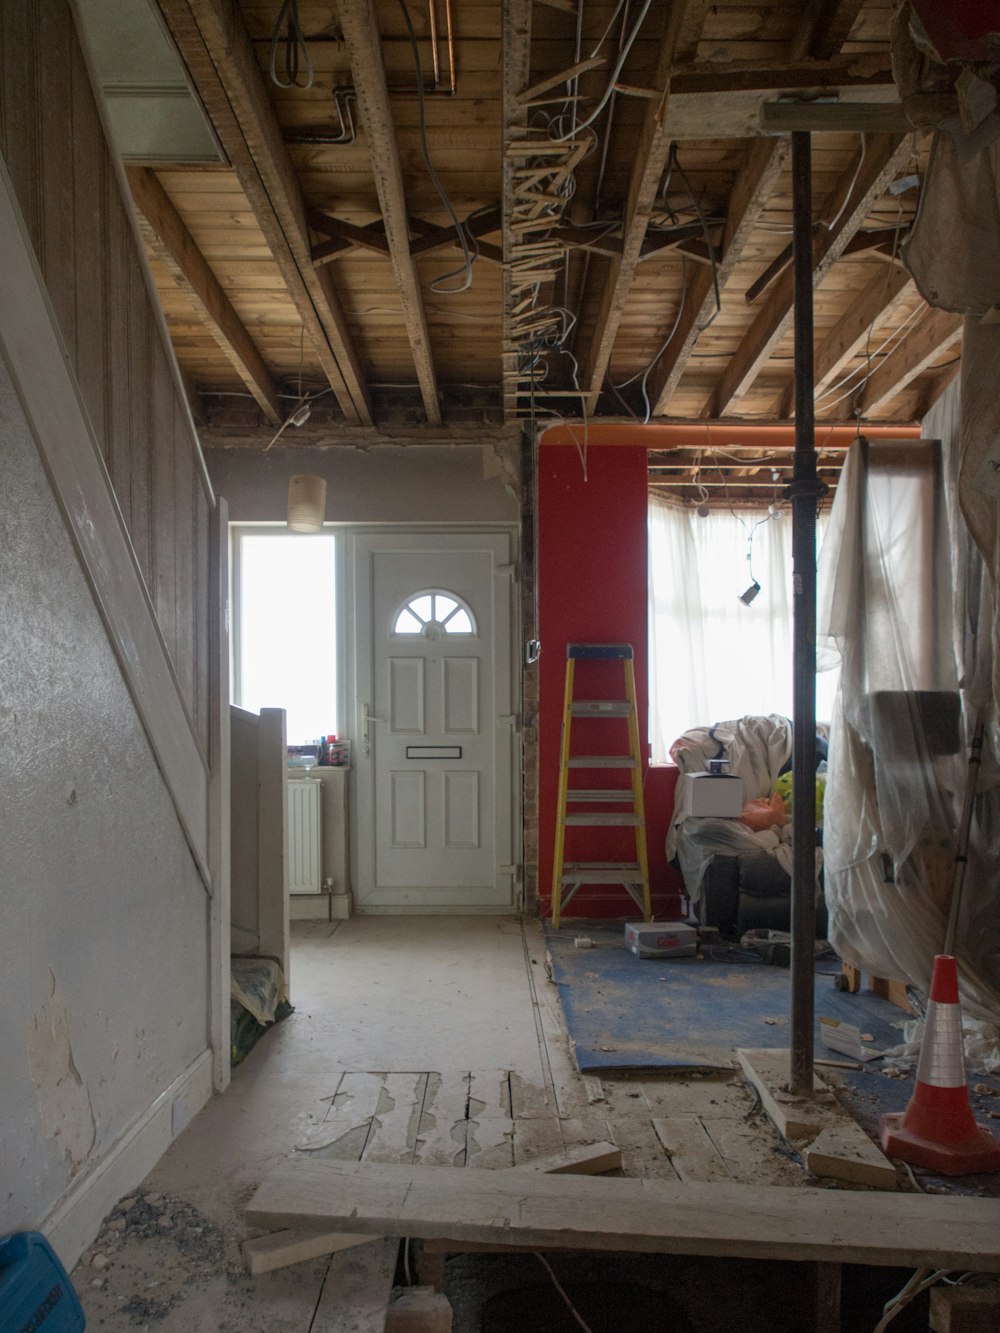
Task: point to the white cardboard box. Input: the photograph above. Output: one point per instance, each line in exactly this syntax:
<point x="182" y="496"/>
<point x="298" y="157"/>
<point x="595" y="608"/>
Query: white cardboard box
<point x="718" y="794"/>
<point x="661" y="939"/>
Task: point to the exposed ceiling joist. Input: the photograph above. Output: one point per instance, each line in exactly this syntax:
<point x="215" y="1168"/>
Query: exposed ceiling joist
<point x="516" y="60"/>
<point x="219" y="56"/>
<point x="679" y="41"/>
<point x="929" y="341"/>
<point x="834" y="117"/>
<point x="169" y="239"/>
<point x="850" y="203"/>
<point x="851" y="332"/>
<point x="357" y="20"/>
<point x="751" y="190"/>
<point x="823" y="28"/>
<point x="744" y="77"/>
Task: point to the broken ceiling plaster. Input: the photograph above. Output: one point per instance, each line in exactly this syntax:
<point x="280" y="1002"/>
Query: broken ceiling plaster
<point x="64" y="1105"/>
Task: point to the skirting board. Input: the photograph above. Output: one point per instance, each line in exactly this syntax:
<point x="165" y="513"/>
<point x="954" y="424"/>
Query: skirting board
<point x="77" y="1219"/>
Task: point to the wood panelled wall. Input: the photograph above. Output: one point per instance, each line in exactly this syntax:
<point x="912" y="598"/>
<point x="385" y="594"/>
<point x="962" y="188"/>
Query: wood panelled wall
<point x="68" y="189"/>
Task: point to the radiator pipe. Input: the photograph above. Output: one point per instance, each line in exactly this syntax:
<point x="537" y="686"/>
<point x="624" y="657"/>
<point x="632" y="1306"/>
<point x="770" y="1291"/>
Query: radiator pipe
<point x="804" y="492"/>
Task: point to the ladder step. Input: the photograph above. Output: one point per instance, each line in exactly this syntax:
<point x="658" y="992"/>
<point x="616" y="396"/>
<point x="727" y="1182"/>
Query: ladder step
<point x="598" y="821"/>
<point x="599" y="794"/>
<point x="597" y="872"/>
<point x="614" y="652"/>
<point x="603" y="761"/>
<point x="601" y="708"/>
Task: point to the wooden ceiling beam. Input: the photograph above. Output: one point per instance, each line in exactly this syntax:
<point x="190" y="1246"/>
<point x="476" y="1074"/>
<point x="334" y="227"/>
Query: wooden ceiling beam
<point x="219" y="56"/>
<point x="824" y="27"/>
<point x="168" y="238"/>
<point x="850" y="203"/>
<point x="706" y="77"/>
<point x="751" y="190"/>
<point x="516" y="70"/>
<point x="357" y="21"/>
<point x="684" y="21"/>
<point x="849" y="335"/>
<point x="931" y="338"/>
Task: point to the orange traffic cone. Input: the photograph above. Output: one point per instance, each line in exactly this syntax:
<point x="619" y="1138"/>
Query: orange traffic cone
<point x="937" y="1129"/>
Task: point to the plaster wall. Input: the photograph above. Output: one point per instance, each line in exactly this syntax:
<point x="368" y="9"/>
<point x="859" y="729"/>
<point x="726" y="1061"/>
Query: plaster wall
<point x="383" y="484"/>
<point x="104" y="922"/>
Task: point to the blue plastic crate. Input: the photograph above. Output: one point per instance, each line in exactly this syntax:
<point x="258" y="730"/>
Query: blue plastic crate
<point x="36" y="1295"/>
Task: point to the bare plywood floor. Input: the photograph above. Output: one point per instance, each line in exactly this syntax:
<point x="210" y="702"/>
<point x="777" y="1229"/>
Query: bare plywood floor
<point x="414" y="1039"/>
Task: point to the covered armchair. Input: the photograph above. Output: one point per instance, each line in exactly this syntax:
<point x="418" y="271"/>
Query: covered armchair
<point x="737" y="879"/>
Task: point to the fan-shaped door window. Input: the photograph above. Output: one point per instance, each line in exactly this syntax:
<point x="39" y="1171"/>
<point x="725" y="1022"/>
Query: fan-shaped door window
<point x="434" y="613"/>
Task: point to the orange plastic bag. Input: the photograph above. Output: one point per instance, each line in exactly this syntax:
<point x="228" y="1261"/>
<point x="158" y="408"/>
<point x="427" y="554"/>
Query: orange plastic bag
<point x="764" y="813"/>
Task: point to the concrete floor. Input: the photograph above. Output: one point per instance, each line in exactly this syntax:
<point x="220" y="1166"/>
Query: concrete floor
<point x="443" y="994"/>
<point x="451" y="1029"/>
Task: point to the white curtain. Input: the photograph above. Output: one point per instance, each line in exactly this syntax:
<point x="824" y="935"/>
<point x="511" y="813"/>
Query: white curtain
<point x="712" y="657"/>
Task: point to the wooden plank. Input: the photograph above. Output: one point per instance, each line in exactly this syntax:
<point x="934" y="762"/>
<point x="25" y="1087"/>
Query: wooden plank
<point x="281" y="1249"/>
<point x="740" y="76"/>
<point x="348" y="1118"/>
<point x="166" y="235"/>
<point x="824" y="26"/>
<point x="845" y="1152"/>
<point x="490" y="1140"/>
<point x="393" y="1136"/>
<point x="220" y="60"/>
<point x="39" y="363"/>
<point x="850" y="203"/>
<point x="965" y="1309"/>
<point x="927" y="342"/>
<point x="851" y="332"/>
<point x="794" y="1117"/>
<point x="649" y="1216"/>
<point x="591" y="1159"/>
<point x="443" y="1127"/>
<point x="751" y="190"/>
<point x="357" y="1289"/>
<point x="357" y="21"/>
<point x="692" y="1153"/>
<point x="834" y="117"/>
<point x="648" y="164"/>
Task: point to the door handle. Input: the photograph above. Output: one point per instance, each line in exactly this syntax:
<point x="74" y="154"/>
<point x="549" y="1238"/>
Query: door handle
<point x="367" y="718"/>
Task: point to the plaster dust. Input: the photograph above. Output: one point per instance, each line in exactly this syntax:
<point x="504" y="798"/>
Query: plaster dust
<point x="427" y="1039"/>
<point x="448" y="994"/>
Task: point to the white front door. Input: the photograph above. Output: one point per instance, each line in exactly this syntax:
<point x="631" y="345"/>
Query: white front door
<point x="435" y="752"/>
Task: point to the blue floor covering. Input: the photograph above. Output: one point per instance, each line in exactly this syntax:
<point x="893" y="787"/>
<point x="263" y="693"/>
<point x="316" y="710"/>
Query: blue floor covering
<point x="625" y="1014"/>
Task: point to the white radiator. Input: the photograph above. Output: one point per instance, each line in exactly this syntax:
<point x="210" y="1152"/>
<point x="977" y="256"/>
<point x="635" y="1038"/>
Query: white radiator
<point x="304" y="835"/>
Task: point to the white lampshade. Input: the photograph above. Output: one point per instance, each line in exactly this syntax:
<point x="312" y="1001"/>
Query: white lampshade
<point x="306" y="503"/>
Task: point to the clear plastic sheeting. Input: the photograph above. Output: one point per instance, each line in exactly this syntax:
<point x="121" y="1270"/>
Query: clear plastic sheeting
<point x="901" y="602"/>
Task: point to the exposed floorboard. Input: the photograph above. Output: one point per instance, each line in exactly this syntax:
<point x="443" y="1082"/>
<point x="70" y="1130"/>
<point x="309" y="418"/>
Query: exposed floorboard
<point x="415" y="1042"/>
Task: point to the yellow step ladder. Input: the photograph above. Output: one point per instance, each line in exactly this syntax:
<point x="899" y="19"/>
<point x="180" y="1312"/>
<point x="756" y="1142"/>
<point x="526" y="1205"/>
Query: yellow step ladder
<point x="569" y="876"/>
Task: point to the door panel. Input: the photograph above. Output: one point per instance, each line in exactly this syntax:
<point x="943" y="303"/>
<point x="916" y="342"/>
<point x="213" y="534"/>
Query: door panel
<point x="435" y="779"/>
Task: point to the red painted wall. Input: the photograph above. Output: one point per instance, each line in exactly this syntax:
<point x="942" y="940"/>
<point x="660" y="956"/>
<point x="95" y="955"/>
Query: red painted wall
<point x="592" y="589"/>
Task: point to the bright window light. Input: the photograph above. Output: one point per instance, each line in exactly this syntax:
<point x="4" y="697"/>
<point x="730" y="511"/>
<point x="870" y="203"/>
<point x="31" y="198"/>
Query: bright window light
<point x="287" y="630"/>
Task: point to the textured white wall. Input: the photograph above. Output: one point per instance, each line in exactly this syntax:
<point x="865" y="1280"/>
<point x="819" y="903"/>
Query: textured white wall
<point x="379" y="485"/>
<point x="104" y="922"/>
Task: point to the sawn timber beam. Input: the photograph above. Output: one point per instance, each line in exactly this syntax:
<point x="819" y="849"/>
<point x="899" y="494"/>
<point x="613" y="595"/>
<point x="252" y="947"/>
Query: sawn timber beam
<point x="357" y="20"/>
<point x="751" y="191"/>
<point x="850" y="203"/>
<point x="679" y="41"/>
<point x="168" y="238"/>
<point x="220" y="60"/>
<point x="347" y="238"/>
<point x="935" y="333"/>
